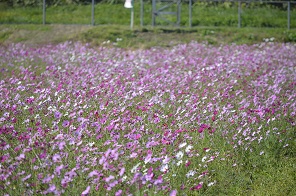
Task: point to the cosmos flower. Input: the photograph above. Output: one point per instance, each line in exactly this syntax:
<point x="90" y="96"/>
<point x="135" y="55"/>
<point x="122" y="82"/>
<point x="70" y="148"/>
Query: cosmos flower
<point x="86" y="191"/>
<point x="164" y="167"/>
<point x="26" y="177"/>
<point x="197" y="187"/>
<point x="66" y="123"/>
<point x="173" y="193"/>
<point x="56" y="158"/>
<point x="190" y="173"/>
<point x="179" y="155"/>
<point x="58" y="170"/>
<point x="122" y="170"/>
<point x="134" y="169"/>
<point x="182" y="145"/>
<point x="118" y="193"/>
<point x="57" y="115"/>
<point x="93" y="173"/>
<point x="92" y="113"/>
<point x="188" y="148"/>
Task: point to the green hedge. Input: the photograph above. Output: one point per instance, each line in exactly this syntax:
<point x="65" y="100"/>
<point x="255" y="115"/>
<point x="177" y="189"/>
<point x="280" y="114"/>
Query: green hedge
<point x="32" y="3"/>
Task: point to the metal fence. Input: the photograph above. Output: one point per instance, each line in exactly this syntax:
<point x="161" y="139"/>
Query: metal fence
<point x="184" y="12"/>
<point x="165" y="3"/>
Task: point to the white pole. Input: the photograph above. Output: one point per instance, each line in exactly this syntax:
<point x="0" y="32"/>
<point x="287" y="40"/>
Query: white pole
<point x="130" y="4"/>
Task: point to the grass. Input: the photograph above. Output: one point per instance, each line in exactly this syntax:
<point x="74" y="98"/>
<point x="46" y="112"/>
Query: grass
<point x="96" y="73"/>
<point x="203" y="14"/>
<point x="139" y="37"/>
<point x="218" y="144"/>
<point x="215" y="24"/>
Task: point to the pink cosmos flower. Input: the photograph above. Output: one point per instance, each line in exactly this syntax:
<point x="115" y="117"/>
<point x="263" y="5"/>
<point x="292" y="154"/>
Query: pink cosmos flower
<point x="20" y="157"/>
<point x="86" y="191"/>
<point x="197" y="187"/>
<point x="65" y="181"/>
<point x="113" y="184"/>
<point x="61" y="145"/>
<point x="93" y="173"/>
<point x="58" y="170"/>
<point x="109" y="178"/>
<point x="59" y="136"/>
<point x="66" y="123"/>
<point x="42" y="155"/>
<point x="173" y="193"/>
<point x="187" y="163"/>
<point x="158" y="181"/>
<point x="118" y="193"/>
<point x="4" y="158"/>
<point x="203" y="127"/>
<point x="26" y="178"/>
<point x="122" y="170"/>
<point x="148" y="157"/>
<point x="56" y="158"/>
<point x="51" y="188"/>
<point x="57" y="115"/>
<point x="47" y="179"/>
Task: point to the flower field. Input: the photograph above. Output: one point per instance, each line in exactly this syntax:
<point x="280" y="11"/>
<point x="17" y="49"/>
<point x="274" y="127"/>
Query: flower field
<point x="186" y="120"/>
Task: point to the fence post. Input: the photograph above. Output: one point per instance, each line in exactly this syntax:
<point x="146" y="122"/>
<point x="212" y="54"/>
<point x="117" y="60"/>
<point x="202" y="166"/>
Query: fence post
<point x="132" y="15"/>
<point x="179" y="12"/>
<point x="142" y="13"/>
<point x="239" y="14"/>
<point x="93" y="12"/>
<point x="190" y="13"/>
<point x="153" y="12"/>
<point x="44" y="12"/>
<point x="289" y="14"/>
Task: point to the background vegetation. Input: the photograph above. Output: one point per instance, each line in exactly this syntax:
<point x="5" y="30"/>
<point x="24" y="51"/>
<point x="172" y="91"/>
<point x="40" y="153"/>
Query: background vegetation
<point x="215" y="23"/>
<point x="122" y="36"/>
<point x="81" y="2"/>
<point x="254" y="14"/>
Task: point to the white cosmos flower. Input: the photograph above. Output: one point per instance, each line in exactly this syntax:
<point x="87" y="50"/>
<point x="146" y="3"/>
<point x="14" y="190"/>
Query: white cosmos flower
<point x="124" y="178"/>
<point x="182" y="145"/>
<point x="212" y="183"/>
<point x="179" y="155"/>
<point x="188" y="148"/>
<point x="133" y="170"/>
<point x="91" y="144"/>
<point x="166" y="160"/>
<point x="204" y="158"/>
<point x="164" y="167"/>
<point x="179" y="162"/>
<point x="190" y="173"/>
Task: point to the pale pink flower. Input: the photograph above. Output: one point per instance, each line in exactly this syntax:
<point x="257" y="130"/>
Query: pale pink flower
<point x="173" y="193"/>
<point x="86" y="191"/>
<point x="56" y="158"/>
<point x="118" y="193"/>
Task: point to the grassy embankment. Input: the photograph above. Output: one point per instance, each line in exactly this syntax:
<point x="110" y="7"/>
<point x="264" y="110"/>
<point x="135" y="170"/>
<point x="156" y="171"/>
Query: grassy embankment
<point x="214" y="24"/>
